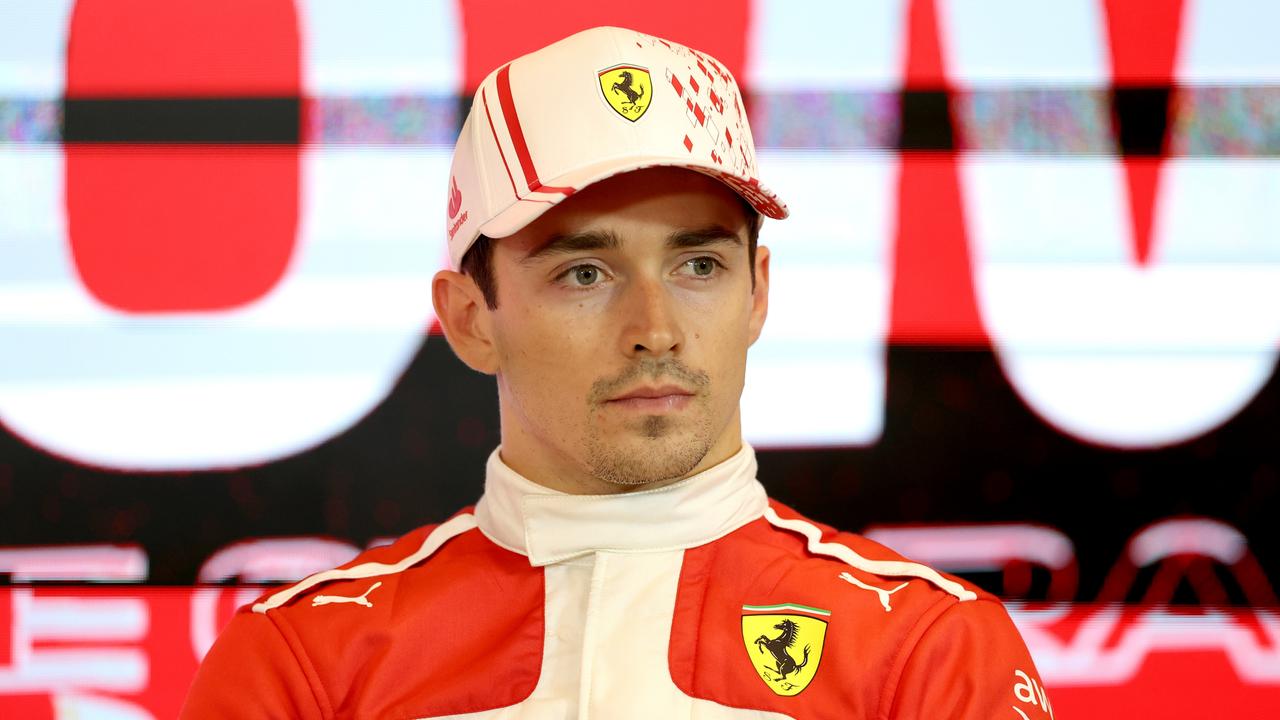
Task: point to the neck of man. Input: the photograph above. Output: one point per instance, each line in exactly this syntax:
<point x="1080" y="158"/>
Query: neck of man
<point x="553" y="466"/>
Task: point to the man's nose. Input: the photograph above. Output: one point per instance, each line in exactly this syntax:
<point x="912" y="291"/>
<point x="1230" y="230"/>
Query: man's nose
<point x="651" y="325"/>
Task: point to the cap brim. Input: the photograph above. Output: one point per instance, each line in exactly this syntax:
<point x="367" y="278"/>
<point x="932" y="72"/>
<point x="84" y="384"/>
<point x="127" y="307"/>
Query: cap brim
<point x="524" y="211"/>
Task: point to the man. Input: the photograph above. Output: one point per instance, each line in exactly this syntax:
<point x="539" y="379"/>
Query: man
<point x="623" y="560"/>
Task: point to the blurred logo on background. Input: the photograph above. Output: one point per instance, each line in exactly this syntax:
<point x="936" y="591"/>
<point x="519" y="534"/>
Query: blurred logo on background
<point x="194" y="273"/>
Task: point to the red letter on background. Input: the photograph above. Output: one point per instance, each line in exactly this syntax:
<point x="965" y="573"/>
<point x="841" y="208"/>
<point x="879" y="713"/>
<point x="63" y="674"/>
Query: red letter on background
<point x="161" y="227"/>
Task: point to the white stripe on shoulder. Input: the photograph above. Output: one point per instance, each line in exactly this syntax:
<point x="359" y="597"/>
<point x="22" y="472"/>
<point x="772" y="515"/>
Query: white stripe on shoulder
<point x="442" y="534"/>
<point x="892" y="568"/>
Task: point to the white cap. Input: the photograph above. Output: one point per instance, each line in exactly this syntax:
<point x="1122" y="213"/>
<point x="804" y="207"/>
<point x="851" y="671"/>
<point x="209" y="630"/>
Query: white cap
<point x="599" y="103"/>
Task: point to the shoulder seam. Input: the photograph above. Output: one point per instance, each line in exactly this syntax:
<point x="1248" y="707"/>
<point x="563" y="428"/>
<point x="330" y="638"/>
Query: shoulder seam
<point x="889" y="697"/>
<point x="435" y="539"/>
<point x="846" y="554"/>
<point x="926" y="622"/>
<point x="291" y="639"/>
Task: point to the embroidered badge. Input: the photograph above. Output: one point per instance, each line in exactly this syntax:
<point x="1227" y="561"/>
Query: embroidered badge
<point x="358" y="599"/>
<point x="784" y="643"/>
<point x="628" y="90"/>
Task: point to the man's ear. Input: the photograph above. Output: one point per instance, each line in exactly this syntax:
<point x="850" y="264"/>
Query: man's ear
<point x="465" y="318"/>
<point x="760" y="295"/>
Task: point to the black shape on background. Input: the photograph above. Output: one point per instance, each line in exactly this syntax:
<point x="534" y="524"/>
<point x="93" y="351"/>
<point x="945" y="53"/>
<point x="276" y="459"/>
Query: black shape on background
<point x="273" y="121"/>
<point x="958" y="446"/>
<point x="415" y="459"/>
<point x="926" y="121"/>
<point x="1141" y="116"/>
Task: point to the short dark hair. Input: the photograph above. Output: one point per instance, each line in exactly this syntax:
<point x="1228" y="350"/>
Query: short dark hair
<point x="477" y="262"/>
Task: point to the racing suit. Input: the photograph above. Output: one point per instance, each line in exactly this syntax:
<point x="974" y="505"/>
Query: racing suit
<point x="701" y="599"/>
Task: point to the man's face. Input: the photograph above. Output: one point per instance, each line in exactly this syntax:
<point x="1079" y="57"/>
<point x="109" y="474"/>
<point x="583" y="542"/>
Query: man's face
<point x="621" y="332"/>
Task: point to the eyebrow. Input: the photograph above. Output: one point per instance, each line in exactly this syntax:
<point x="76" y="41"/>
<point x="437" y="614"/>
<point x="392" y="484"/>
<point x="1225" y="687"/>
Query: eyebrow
<point x="710" y="235"/>
<point x="573" y="242"/>
<point x="607" y="240"/>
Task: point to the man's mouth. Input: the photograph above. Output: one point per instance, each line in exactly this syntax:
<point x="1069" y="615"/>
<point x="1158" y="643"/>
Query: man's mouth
<point x="652" y="399"/>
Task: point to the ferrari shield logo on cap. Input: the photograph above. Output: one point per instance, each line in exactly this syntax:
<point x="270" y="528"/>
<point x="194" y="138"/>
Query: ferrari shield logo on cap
<point x="627" y="89"/>
<point x="784" y="644"/>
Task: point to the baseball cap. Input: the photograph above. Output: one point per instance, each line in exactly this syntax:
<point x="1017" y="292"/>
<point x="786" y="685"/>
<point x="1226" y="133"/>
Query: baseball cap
<point x="598" y="103"/>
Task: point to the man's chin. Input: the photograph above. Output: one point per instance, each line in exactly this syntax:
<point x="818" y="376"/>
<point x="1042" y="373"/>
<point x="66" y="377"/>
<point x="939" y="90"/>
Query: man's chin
<point x="653" y="452"/>
<point x="657" y="428"/>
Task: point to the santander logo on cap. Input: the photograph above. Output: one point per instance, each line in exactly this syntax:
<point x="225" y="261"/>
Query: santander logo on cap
<point x="455" y="198"/>
<point x="455" y="204"/>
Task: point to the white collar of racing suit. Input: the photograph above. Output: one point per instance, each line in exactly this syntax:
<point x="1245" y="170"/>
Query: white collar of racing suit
<point x="550" y="526"/>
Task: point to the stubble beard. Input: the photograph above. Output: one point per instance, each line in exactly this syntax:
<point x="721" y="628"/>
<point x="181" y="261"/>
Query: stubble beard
<point x="657" y="447"/>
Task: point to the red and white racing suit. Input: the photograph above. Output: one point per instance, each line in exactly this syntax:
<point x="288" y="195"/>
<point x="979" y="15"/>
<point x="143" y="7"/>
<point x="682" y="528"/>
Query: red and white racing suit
<point x="702" y="599"/>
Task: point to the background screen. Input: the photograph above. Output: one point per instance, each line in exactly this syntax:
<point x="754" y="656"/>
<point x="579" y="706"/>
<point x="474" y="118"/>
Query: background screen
<point x="1024" y="318"/>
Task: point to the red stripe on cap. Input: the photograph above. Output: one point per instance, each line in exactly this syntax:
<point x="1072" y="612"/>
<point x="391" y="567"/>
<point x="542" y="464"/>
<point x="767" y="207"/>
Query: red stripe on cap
<point x="485" y="99"/>
<point x="517" y="135"/>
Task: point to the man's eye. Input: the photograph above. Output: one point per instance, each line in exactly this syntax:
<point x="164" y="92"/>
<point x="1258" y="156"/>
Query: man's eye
<point x="584" y="275"/>
<point x="702" y="266"/>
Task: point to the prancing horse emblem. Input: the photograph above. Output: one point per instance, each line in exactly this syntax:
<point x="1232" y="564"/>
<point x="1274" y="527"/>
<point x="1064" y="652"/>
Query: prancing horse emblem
<point x="784" y="643"/>
<point x="624" y="86"/>
<point x="783" y="663"/>
<point x="628" y="90"/>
